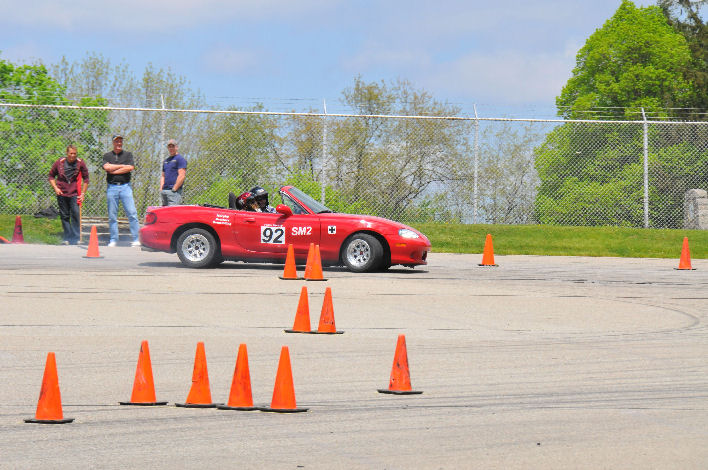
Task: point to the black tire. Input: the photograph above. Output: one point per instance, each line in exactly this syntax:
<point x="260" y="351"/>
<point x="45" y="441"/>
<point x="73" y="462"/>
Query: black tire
<point x="197" y="248"/>
<point x="362" y="253"/>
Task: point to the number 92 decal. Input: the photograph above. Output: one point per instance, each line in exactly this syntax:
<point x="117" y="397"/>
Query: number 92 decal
<point x="273" y="234"/>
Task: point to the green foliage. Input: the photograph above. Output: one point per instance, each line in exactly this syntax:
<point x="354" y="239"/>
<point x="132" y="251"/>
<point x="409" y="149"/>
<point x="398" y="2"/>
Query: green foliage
<point x="31" y="139"/>
<point x="685" y="17"/>
<point x="545" y="240"/>
<point x="635" y="60"/>
<point x="593" y="175"/>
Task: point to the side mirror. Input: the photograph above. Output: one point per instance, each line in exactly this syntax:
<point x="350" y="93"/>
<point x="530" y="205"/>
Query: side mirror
<point x="283" y="209"/>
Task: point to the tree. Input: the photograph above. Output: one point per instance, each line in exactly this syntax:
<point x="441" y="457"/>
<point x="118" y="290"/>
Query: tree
<point x="635" y="60"/>
<point x="593" y="174"/>
<point x="684" y="16"/>
<point x="383" y="163"/>
<point x="145" y="133"/>
<point x="32" y="138"/>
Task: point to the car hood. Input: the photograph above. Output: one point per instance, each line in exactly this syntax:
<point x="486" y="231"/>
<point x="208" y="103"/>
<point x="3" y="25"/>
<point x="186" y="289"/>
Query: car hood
<point x="380" y="224"/>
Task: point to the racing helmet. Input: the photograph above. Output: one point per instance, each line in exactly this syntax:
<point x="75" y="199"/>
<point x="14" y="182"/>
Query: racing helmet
<point x="261" y="196"/>
<point x="245" y="201"/>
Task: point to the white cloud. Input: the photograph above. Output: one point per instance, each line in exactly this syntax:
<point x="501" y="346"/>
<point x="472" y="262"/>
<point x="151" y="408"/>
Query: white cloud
<point x="507" y="77"/>
<point x="225" y="59"/>
<point x="147" y="16"/>
<point x="374" y="54"/>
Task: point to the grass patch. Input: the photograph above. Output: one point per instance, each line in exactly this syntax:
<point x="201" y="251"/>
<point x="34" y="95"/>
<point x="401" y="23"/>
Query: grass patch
<point x="508" y="239"/>
<point x="566" y="241"/>
<point x="34" y="230"/>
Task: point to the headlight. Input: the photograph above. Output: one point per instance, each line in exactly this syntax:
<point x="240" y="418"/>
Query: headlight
<point x="406" y="233"/>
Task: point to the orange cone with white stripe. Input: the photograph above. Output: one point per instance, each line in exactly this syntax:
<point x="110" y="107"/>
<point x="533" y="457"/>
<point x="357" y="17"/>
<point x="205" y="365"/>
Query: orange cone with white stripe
<point x="49" y="404"/>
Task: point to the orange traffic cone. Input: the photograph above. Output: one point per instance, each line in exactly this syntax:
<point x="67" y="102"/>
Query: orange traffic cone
<point x="284" y="392"/>
<point x="310" y="260"/>
<point x="488" y="255"/>
<point x="316" y="269"/>
<point x="240" y="397"/>
<point x="302" y="315"/>
<point x="92" y="251"/>
<point x="17" y="236"/>
<point x="4" y="240"/>
<point x="400" y="383"/>
<point x="49" y="405"/>
<point x="685" y="261"/>
<point x="200" y="394"/>
<point x="290" y="271"/>
<point x="143" y="385"/>
<point x="327" y="325"/>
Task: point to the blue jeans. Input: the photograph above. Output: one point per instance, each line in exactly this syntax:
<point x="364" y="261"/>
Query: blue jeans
<point x="69" y="213"/>
<point x="124" y="194"/>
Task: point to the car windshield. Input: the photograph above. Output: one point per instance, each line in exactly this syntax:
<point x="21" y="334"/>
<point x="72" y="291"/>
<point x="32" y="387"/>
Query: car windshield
<point x="316" y="207"/>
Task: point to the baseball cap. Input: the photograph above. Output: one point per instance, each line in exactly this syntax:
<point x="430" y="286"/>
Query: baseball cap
<point x="117" y="136"/>
<point x="172" y="142"/>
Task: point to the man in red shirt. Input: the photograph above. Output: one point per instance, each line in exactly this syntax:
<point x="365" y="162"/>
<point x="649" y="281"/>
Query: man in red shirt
<point x="63" y="178"/>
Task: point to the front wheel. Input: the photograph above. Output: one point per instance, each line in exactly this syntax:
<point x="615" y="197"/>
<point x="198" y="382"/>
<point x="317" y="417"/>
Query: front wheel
<point x="362" y="253"/>
<point x="197" y="248"/>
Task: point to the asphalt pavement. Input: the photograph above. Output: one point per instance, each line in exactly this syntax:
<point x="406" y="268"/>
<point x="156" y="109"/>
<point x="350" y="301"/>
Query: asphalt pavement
<point x="542" y="362"/>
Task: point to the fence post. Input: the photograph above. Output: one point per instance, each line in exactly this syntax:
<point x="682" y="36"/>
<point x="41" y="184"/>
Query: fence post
<point x="162" y="146"/>
<point x="646" y="170"/>
<point x="476" y="160"/>
<point x="323" y="178"/>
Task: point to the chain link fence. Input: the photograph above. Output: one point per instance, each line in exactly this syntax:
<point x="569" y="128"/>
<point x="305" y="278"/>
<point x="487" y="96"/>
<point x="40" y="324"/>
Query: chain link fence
<point x="408" y="168"/>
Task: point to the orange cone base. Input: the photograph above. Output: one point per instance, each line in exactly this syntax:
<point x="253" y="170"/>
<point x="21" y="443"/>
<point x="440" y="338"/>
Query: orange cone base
<point x="298" y="331"/>
<point x="93" y="257"/>
<point x="282" y="410"/>
<point x="198" y="405"/>
<point x="291" y="278"/>
<point x="338" y="332"/>
<point x="143" y="403"/>
<point x="315" y="279"/>
<point x="4" y="240"/>
<point x="489" y="265"/>
<point x="238" y="408"/>
<point x="684" y="269"/>
<point x="49" y="421"/>
<point x="400" y="392"/>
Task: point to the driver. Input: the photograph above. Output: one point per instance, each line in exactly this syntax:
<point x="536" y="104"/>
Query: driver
<point x="261" y="196"/>
<point x="247" y="202"/>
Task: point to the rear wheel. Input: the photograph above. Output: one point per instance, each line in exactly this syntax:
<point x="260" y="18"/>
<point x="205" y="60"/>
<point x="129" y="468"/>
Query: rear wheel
<point x="362" y="252"/>
<point x="197" y="248"/>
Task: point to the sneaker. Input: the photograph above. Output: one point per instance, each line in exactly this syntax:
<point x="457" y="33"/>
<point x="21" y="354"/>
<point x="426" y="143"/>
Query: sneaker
<point x="65" y="242"/>
<point x="135" y="243"/>
<point x="111" y="244"/>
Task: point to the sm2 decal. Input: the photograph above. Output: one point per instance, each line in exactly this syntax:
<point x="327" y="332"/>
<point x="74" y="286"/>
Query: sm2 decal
<point x="295" y="231"/>
<point x="273" y="234"/>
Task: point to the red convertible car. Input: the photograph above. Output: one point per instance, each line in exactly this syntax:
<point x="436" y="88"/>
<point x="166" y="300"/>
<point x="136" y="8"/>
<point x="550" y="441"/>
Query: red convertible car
<point x="205" y="235"/>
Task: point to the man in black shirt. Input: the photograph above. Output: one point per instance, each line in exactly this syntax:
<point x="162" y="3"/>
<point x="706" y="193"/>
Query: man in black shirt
<point x="118" y="165"/>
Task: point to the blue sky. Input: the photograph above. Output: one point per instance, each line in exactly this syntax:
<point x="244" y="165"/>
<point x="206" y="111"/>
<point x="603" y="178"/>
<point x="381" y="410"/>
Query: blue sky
<point x="510" y="56"/>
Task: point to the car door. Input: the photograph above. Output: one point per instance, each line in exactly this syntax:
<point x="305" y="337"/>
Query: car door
<point x="266" y="233"/>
